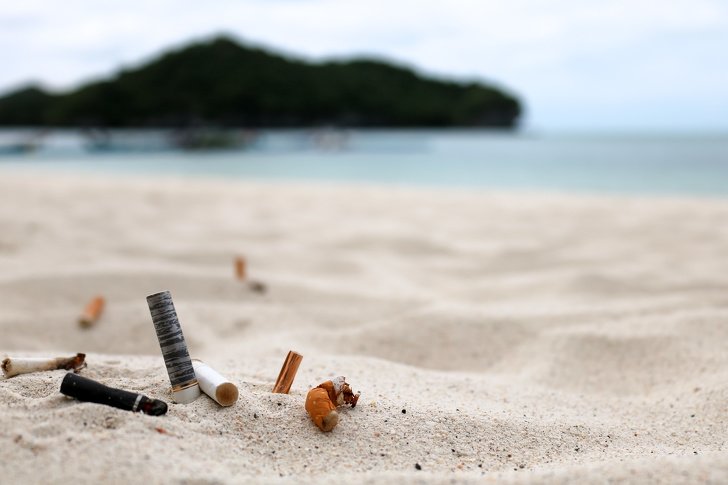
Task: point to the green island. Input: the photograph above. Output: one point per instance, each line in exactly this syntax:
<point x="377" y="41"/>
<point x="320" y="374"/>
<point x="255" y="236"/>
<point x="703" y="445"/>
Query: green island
<point x="221" y="82"/>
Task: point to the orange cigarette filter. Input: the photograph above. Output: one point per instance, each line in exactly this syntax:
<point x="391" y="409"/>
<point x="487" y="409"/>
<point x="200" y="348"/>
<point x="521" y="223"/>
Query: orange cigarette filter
<point x="92" y="312"/>
<point x="240" y="268"/>
<point x="321" y="409"/>
<point x="322" y="401"/>
<point x="288" y="373"/>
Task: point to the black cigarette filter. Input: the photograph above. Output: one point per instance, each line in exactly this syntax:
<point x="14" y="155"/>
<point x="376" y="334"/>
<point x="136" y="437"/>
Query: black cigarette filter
<point x="85" y="389"/>
<point x="185" y="388"/>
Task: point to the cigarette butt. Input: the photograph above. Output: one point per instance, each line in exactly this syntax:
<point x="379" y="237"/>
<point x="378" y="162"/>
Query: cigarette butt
<point x="321" y="409"/>
<point x="15" y="366"/>
<point x="85" y="389"/>
<point x="322" y="401"/>
<point x="220" y="389"/>
<point x="174" y="349"/>
<point x="92" y="312"/>
<point x="288" y="373"/>
<point x="240" y="268"/>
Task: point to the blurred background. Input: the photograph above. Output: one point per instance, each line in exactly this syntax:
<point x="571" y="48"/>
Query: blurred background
<point x="618" y="97"/>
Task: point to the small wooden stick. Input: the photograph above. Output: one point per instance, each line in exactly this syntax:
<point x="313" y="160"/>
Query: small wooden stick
<point x="92" y="312"/>
<point x="288" y="373"/>
<point x="240" y="268"/>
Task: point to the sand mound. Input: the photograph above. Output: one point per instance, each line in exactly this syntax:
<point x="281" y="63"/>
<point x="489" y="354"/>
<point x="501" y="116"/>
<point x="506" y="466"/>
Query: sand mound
<point x="511" y="337"/>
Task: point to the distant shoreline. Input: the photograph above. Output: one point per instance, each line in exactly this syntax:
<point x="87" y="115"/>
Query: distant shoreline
<point x="457" y="159"/>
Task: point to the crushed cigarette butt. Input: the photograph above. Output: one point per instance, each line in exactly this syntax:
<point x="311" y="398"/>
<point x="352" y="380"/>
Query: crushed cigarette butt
<point x="322" y="401"/>
<point x="321" y="409"/>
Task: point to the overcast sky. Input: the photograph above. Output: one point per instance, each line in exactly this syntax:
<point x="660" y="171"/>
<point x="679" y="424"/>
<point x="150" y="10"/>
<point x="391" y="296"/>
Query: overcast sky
<point x="577" y="64"/>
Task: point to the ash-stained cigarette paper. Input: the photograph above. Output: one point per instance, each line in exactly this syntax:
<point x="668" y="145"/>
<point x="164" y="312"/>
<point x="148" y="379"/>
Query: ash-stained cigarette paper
<point x="212" y="383"/>
<point x="13" y="366"/>
<point x="185" y="388"/>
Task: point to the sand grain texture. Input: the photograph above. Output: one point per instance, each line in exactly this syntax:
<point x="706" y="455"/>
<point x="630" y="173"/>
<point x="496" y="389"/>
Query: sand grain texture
<point x="511" y="337"/>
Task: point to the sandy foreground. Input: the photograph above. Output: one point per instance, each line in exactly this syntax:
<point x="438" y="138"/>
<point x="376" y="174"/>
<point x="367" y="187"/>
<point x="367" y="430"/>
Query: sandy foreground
<point x="507" y="337"/>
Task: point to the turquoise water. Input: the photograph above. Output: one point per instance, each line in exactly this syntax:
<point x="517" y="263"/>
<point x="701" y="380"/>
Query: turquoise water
<point x="648" y="164"/>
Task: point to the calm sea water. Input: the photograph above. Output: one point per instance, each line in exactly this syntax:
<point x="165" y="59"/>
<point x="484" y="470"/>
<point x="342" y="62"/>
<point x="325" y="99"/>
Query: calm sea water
<point x="646" y="164"/>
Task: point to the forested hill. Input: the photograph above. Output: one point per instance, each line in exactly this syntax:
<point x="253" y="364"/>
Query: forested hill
<point x="221" y="82"/>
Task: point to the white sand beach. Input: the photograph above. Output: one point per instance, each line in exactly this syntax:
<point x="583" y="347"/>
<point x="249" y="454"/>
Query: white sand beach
<point x="508" y="337"/>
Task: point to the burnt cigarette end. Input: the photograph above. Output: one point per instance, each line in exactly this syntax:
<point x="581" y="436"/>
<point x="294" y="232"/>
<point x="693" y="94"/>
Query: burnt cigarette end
<point x="75" y="363"/>
<point x="340" y="392"/>
<point x="154" y="407"/>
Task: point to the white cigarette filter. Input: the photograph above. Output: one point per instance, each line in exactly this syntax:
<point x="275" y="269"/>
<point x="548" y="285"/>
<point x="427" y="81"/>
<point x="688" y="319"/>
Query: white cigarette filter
<point x="13" y="366"/>
<point x="224" y="392"/>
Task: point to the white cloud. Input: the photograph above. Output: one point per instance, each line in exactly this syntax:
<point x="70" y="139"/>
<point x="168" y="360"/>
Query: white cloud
<point x="598" y="63"/>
